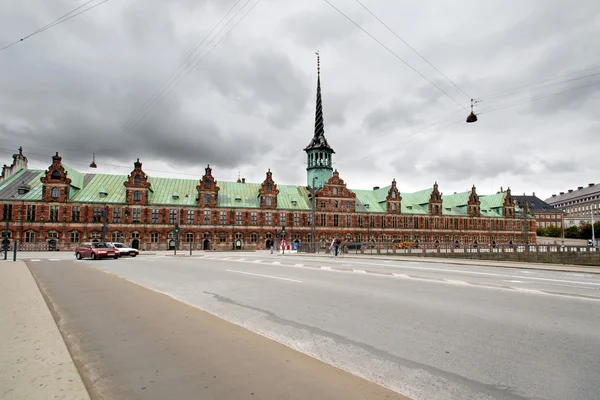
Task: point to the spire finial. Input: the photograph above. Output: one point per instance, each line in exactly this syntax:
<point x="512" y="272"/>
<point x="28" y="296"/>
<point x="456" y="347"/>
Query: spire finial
<point x="318" y="63"/>
<point x="21" y="150"/>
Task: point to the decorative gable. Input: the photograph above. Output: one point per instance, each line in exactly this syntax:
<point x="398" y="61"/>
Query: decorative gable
<point x="393" y="199"/>
<point x="435" y="201"/>
<point x="208" y="191"/>
<point x="508" y="207"/>
<point x="473" y="204"/>
<point x="137" y="185"/>
<point x="268" y="192"/>
<point x="55" y="182"/>
<point x="335" y="196"/>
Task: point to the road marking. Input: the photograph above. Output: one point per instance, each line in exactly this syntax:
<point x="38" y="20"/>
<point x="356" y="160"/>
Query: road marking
<point x="226" y="258"/>
<point x="556" y="280"/>
<point x="276" y="262"/>
<point x="36" y="259"/>
<point x="257" y="261"/>
<point x="534" y="291"/>
<point x="360" y="271"/>
<point x="54" y="259"/>
<point x="265" y="276"/>
<point x="515" y="281"/>
<point x="401" y="276"/>
<point x="241" y="259"/>
<point x="457" y="282"/>
<point x="526" y="272"/>
<point x="298" y="265"/>
<point x="326" y="268"/>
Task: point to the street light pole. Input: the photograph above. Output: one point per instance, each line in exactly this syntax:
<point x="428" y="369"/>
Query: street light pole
<point x="313" y="194"/>
<point x="592" y="217"/>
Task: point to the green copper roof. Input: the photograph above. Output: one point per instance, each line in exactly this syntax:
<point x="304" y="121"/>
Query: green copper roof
<point x="75" y="176"/>
<point x="111" y="184"/>
<point x="163" y="190"/>
<point x="368" y="201"/>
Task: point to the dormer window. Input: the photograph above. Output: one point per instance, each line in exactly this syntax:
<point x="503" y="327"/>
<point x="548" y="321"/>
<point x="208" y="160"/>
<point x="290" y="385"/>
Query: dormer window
<point x="294" y="202"/>
<point x="137" y="180"/>
<point x="238" y="198"/>
<point x="137" y="196"/>
<point x="367" y="205"/>
<point x="393" y="206"/>
<point x="55" y="193"/>
<point x="55" y="175"/>
<point x="393" y="195"/>
<point x="409" y="207"/>
<point x="207" y="199"/>
<point x="207" y="184"/>
<point x="268" y="201"/>
<point x="269" y="187"/>
<point x="103" y="193"/>
<point x="335" y="191"/>
<point x="23" y="189"/>
<point x="175" y="196"/>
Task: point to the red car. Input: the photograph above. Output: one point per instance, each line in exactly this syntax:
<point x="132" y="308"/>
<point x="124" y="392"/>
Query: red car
<point x="95" y="251"/>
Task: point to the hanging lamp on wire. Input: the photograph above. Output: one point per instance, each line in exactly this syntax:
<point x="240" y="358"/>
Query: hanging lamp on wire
<point x="472" y="117"/>
<point x="93" y="164"/>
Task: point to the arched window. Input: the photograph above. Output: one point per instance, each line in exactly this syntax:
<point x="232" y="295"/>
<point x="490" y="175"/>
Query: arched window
<point x="207" y="199"/>
<point x="269" y="187"/>
<point x="137" y="180"/>
<point x="268" y="201"/>
<point x="137" y="196"/>
<point x="55" y="193"/>
<point x="335" y="191"/>
<point x="55" y="175"/>
<point x="208" y="184"/>
<point x="393" y="195"/>
<point x="335" y="203"/>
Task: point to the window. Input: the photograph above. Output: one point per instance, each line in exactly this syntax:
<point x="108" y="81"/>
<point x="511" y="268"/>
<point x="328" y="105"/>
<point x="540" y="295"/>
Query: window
<point x="155" y="215"/>
<point x="53" y="214"/>
<point x="117" y="236"/>
<point x="75" y="214"/>
<point x="238" y="217"/>
<point x="7" y="212"/>
<point x="268" y="219"/>
<point x="393" y="195"/>
<point x="282" y="219"/>
<point x="55" y="175"/>
<point x="55" y="193"/>
<point x="335" y="220"/>
<point x="97" y="214"/>
<point x="383" y="225"/>
<point x="135" y="235"/>
<point x="393" y="206"/>
<point x="29" y="237"/>
<point x="310" y="219"/>
<point x="137" y="196"/>
<point x="52" y="235"/>
<point x="137" y="180"/>
<point x="74" y="236"/>
<point x="137" y="215"/>
<point x="172" y="216"/>
<point x="394" y="222"/>
<point x="30" y="213"/>
<point x="360" y="220"/>
<point x="153" y="237"/>
<point x="335" y="191"/>
<point x="254" y="237"/>
<point x="269" y="187"/>
<point x="222" y="238"/>
<point x="323" y="204"/>
<point x="116" y="218"/>
<point x="207" y="199"/>
<point x="207" y="184"/>
<point x="223" y="218"/>
<point x="268" y="201"/>
<point x="254" y="218"/>
<point x="190" y="217"/>
<point x="189" y="237"/>
<point x="335" y="204"/>
<point x="348" y="221"/>
<point x="323" y="220"/>
<point x="372" y="221"/>
<point x="206" y="217"/>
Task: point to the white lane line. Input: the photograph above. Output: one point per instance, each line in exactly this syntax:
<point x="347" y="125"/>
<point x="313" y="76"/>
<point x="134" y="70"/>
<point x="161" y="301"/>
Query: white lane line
<point x="556" y="280"/>
<point x="226" y="258"/>
<point x="241" y="259"/>
<point x="526" y="272"/>
<point x="401" y="276"/>
<point x="360" y="271"/>
<point x="54" y="259"/>
<point x="326" y="268"/>
<point x="453" y="282"/>
<point x="276" y="262"/>
<point x="264" y="276"/>
<point x="257" y="261"/>
<point x="35" y="259"/>
<point x="534" y="291"/>
<point x="298" y="265"/>
<point x="514" y="281"/>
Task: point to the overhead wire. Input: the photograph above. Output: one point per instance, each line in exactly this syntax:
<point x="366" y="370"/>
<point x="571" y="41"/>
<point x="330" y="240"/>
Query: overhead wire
<point x="394" y="54"/>
<point x="57" y="21"/>
<point x="412" y="48"/>
<point x="160" y="88"/>
<point x="165" y="94"/>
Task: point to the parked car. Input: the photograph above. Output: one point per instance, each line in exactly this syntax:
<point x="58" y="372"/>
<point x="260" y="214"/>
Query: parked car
<point x="95" y="251"/>
<point x="124" y="250"/>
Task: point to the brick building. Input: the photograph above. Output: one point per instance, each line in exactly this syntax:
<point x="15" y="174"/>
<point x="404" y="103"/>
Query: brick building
<point x="578" y="205"/>
<point x="62" y="207"/>
<point x="545" y="214"/>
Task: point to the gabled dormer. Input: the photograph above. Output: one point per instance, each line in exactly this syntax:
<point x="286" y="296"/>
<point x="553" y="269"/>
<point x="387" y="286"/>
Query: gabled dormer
<point x="393" y="199"/>
<point x="56" y="183"/>
<point x="473" y="204"/>
<point x="336" y="196"/>
<point x="508" y="207"/>
<point x="435" y="201"/>
<point x="208" y="191"/>
<point x="137" y="185"/>
<point x="268" y="192"/>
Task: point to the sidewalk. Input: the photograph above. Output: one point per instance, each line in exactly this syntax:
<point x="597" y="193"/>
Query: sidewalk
<point x="34" y="360"/>
<point x="477" y="263"/>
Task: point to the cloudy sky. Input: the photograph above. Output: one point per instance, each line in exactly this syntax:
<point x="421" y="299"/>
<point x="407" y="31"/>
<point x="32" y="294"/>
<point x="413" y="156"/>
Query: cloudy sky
<point x="249" y="104"/>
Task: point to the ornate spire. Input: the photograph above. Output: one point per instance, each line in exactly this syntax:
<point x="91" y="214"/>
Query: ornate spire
<point x="318" y="141"/>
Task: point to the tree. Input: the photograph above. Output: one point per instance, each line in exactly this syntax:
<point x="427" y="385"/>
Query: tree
<point x="541" y="231"/>
<point x="572" y="232"/>
<point x="553" y="231"/>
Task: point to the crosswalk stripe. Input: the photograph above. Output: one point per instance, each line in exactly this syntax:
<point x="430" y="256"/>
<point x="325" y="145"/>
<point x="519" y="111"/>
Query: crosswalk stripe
<point x="36" y="259"/>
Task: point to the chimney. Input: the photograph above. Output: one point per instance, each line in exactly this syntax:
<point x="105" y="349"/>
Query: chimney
<point x="570" y="190"/>
<point x="561" y="193"/>
<point x="580" y="187"/>
<point x="533" y="194"/>
<point x="375" y="187"/>
<point x="590" y="184"/>
<point x="553" y="195"/>
<point x="243" y="180"/>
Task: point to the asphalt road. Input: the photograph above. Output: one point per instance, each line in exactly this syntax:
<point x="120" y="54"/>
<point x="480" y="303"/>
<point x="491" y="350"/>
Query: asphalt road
<point x="427" y="331"/>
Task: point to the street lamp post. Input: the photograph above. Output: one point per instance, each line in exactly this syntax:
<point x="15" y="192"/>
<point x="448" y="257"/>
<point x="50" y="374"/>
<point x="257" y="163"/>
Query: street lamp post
<point x="592" y="217"/>
<point x="313" y="230"/>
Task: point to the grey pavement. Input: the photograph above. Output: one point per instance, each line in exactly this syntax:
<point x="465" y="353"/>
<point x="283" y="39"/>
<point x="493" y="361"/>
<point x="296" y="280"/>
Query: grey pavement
<point x="133" y="343"/>
<point x="429" y="331"/>
<point x="34" y="360"/>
